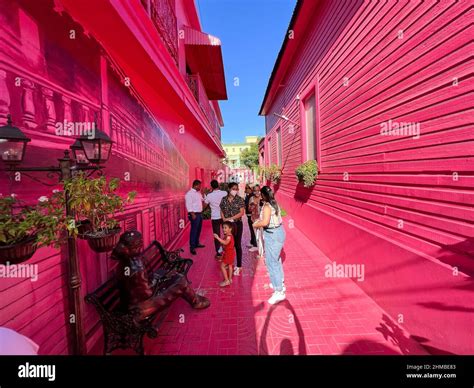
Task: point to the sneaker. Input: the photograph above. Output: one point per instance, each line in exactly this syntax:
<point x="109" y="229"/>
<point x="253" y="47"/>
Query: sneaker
<point x="253" y="249"/>
<point x="225" y="283"/>
<point x="237" y="271"/>
<point x="271" y="286"/>
<point x="277" y="296"/>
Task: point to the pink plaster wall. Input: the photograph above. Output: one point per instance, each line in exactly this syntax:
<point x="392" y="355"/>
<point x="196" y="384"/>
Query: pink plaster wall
<point x="46" y="77"/>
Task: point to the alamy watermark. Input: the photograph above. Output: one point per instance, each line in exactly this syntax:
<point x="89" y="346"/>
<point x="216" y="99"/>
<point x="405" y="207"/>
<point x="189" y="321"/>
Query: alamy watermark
<point x="32" y="371"/>
<point x="334" y="270"/>
<point x="75" y="128"/>
<point x="19" y="271"/>
<point x="395" y="128"/>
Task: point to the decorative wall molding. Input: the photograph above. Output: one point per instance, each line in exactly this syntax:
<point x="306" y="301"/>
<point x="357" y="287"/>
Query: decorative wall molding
<point x="28" y="103"/>
<point x="67" y="110"/>
<point x="4" y="97"/>
<point x="50" y="109"/>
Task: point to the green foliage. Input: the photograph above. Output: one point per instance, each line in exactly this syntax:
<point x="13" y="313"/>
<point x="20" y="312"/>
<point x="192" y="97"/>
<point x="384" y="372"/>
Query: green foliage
<point x="95" y="199"/>
<point x="249" y="156"/>
<point x="92" y="199"/>
<point x="272" y="173"/>
<point x="15" y="224"/>
<point x="307" y="172"/>
<point x="206" y="213"/>
<point x="46" y="221"/>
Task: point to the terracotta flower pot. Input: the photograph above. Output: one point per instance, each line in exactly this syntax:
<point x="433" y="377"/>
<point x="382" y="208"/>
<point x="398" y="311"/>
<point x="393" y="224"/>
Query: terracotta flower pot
<point x="19" y="252"/>
<point x="103" y="241"/>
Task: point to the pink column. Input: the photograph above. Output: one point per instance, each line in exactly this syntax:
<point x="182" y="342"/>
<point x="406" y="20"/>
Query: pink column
<point x="4" y="98"/>
<point x="28" y="104"/>
<point x="50" y="110"/>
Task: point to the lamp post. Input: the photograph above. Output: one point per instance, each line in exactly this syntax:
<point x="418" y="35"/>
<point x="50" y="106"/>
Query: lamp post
<point x="283" y="117"/>
<point x="94" y="150"/>
<point x="12" y="143"/>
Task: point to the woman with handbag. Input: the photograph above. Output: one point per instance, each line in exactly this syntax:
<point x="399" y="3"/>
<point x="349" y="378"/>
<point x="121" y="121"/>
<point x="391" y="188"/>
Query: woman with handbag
<point x="274" y="235"/>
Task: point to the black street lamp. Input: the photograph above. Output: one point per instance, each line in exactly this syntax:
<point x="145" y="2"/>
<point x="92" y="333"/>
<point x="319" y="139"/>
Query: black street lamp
<point x="12" y="143"/>
<point x="79" y="154"/>
<point x="95" y="150"/>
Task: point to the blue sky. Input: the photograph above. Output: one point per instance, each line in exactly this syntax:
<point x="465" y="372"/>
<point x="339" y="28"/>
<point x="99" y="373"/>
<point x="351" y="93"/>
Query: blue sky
<point x="251" y="32"/>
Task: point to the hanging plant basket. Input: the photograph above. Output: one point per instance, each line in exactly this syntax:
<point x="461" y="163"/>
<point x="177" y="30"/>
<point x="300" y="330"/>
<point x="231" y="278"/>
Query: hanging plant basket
<point x="307" y="173"/>
<point x="273" y="174"/>
<point x="103" y="240"/>
<point x="83" y="227"/>
<point x="18" y="252"/>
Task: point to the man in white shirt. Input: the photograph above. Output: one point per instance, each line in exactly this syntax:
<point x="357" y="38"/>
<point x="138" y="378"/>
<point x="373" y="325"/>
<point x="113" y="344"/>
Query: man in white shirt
<point x="213" y="199"/>
<point x="193" y="199"/>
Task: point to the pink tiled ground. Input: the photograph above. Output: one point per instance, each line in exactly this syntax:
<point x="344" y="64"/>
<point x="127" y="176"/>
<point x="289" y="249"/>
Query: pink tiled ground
<point x="321" y="316"/>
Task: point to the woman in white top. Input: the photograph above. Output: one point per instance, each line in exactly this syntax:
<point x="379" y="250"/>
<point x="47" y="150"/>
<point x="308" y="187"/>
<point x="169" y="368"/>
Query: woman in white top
<point x="274" y="234"/>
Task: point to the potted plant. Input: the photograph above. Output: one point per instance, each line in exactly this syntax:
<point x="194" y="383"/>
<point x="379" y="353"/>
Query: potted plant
<point x="83" y="226"/>
<point x="24" y="229"/>
<point x="17" y="232"/>
<point x="95" y="201"/>
<point x="307" y="173"/>
<point x="272" y="173"/>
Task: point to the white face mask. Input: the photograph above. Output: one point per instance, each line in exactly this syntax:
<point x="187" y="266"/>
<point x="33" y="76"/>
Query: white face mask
<point x="234" y="193"/>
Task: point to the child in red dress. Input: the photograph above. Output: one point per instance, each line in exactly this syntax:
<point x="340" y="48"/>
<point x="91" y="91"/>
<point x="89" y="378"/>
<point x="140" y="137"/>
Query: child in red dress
<point x="228" y="257"/>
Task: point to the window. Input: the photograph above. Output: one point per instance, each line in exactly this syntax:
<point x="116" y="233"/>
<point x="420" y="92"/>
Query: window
<point x="279" y="147"/>
<point x="310" y="121"/>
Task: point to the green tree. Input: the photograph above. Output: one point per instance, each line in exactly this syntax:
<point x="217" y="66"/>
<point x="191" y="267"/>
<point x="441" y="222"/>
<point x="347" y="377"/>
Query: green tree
<point x="249" y="156"/>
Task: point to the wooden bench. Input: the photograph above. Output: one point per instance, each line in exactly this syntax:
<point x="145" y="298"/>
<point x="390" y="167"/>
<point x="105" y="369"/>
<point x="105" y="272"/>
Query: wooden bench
<point x="121" y="329"/>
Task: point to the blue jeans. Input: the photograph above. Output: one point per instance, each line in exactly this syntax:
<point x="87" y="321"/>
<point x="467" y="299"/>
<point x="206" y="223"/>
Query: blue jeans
<point x="196" y="226"/>
<point x="274" y="240"/>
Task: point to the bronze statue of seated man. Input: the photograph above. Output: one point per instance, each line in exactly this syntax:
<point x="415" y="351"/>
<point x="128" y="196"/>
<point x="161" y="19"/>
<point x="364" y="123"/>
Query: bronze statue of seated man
<point x="147" y="295"/>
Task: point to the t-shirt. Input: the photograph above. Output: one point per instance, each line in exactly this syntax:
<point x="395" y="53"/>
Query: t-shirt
<point x="214" y="199"/>
<point x="256" y="202"/>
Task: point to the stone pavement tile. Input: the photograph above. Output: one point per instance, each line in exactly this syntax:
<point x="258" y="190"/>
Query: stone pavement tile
<point x="320" y="316"/>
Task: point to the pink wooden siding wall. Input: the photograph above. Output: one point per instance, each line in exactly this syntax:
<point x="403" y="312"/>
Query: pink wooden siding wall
<point x="62" y="78"/>
<point x="405" y="207"/>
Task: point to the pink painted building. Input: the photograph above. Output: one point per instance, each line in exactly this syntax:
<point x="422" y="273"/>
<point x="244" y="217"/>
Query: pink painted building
<point x="153" y="79"/>
<point x="380" y="94"/>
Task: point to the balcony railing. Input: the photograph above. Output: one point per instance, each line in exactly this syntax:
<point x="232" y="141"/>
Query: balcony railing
<point x="196" y="86"/>
<point x="163" y="16"/>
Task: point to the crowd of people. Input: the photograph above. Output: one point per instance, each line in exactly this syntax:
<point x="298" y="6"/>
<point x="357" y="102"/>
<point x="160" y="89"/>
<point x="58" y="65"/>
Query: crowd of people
<point x="228" y="211"/>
